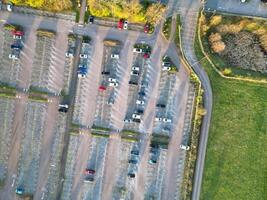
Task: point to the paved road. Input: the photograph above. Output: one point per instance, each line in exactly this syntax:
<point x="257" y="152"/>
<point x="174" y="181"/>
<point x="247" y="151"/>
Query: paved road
<point x="189" y="17"/>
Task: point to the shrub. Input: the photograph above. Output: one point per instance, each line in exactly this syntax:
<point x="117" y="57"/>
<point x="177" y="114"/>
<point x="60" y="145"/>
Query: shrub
<point x="215" y="20"/>
<point x="227" y="72"/>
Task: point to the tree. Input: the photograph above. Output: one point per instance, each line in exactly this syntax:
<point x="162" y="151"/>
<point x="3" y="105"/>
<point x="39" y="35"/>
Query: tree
<point x="215" y="20"/>
<point x="216" y="42"/>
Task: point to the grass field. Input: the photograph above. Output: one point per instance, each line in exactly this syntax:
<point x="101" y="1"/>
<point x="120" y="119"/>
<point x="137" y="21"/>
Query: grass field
<point x="236" y="159"/>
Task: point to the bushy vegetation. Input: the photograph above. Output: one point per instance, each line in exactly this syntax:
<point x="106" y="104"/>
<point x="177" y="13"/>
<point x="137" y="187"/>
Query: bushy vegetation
<point x="49" y="5"/>
<point x="236" y="43"/>
<point x="133" y="10"/>
<point x="166" y="29"/>
<point x="235" y="165"/>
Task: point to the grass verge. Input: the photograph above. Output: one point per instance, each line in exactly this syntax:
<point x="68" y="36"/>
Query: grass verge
<point x="166" y="29"/>
<point x="236" y="158"/>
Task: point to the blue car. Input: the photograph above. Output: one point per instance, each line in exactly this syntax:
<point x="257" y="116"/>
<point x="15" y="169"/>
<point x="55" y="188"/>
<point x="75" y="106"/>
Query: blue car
<point x="82" y="70"/>
<point x="19" y="191"/>
<point x="16" y="46"/>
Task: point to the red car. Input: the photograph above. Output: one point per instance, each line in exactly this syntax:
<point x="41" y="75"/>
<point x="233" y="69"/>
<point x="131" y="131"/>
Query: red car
<point x="102" y="88"/>
<point x="89" y="171"/>
<point x="120" y="24"/>
<point x="18" y="33"/>
<point x="146" y="28"/>
<point x="146" y="55"/>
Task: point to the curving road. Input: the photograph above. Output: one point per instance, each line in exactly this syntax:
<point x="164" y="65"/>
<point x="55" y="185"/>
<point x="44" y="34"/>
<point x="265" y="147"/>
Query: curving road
<point x="188" y="10"/>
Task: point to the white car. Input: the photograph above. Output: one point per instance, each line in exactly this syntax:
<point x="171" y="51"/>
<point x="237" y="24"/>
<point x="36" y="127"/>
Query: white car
<point x="69" y="55"/>
<point x="9" y="7"/>
<point x="166" y="120"/>
<point x="112" y="80"/>
<point x="81" y="76"/>
<point x="13" y="56"/>
<point x="112" y="84"/>
<point x="136" y="116"/>
<point x="138" y="50"/>
<point x="135" y="68"/>
<point x="17" y="37"/>
<point x="166" y="68"/>
<point x="158" y="119"/>
<point x="184" y="147"/>
<point x="83" y="56"/>
<point x="140" y="102"/>
<point x="127" y="120"/>
<point x="116" y="56"/>
<point x="125" y="25"/>
<point x="64" y="106"/>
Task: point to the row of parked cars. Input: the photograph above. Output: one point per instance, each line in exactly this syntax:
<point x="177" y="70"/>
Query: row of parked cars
<point x="16" y="46"/>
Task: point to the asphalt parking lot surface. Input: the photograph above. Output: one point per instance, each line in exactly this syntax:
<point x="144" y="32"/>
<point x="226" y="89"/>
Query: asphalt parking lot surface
<point x="249" y="8"/>
<point x="35" y="161"/>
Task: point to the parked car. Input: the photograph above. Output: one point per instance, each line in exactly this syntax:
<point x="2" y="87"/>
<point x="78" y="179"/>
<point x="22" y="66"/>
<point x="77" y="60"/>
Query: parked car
<point x="166" y="68"/>
<point x="166" y="64"/>
<point x="142" y="94"/>
<point x="140" y="102"/>
<point x="158" y="119"/>
<point x="112" y="80"/>
<point x="138" y="50"/>
<point x="9" y="7"/>
<point x="133" y="161"/>
<point x="135" y="152"/>
<point x="14" y="54"/>
<point x="88" y="179"/>
<point x="136" y="116"/>
<point x="63" y="108"/>
<point x="125" y="25"/>
<point x="146" y="55"/>
<point x="115" y="56"/>
<point x="127" y="120"/>
<point x="135" y="73"/>
<point x="134" y="68"/>
<point x="120" y="24"/>
<point x="140" y="111"/>
<point x="133" y="83"/>
<point x="111" y="101"/>
<point x="184" y="147"/>
<point x="91" y="19"/>
<point x="83" y="56"/>
<point x="146" y="28"/>
<point x="161" y="105"/>
<point x="131" y="175"/>
<point x="102" y="88"/>
<point x="19" y="191"/>
<point x="166" y="120"/>
<point x="105" y="73"/>
<point x="82" y="71"/>
<point x="89" y="171"/>
<point x="112" y="84"/>
<point x="16" y="46"/>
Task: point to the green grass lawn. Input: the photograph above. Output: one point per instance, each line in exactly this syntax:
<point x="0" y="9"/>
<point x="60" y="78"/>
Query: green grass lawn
<point x="236" y="159"/>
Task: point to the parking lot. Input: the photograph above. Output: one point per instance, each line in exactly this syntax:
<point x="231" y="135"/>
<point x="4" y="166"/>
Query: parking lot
<point x="78" y="184"/>
<point x="109" y="84"/>
<point x="29" y="161"/>
<point x="250" y="7"/>
<point x="84" y="86"/>
<point x="138" y="90"/>
<point x="51" y="163"/>
<point x="7" y="114"/>
<point x="9" y="68"/>
<point x="105" y="106"/>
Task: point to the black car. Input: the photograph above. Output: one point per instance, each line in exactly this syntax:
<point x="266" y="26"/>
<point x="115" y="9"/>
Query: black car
<point x="91" y="19"/>
<point x="105" y="73"/>
<point x="131" y="175"/>
<point x="135" y="152"/>
<point x="89" y="179"/>
<point x="140" y="111"/>
<point x="63" y="110"/>
<point x="142" y="94"/>
<point x="133" y="83"/>
<point x="133" y="161"/>
<point x="161" y="105"/>
<point x="137" y="120"/>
